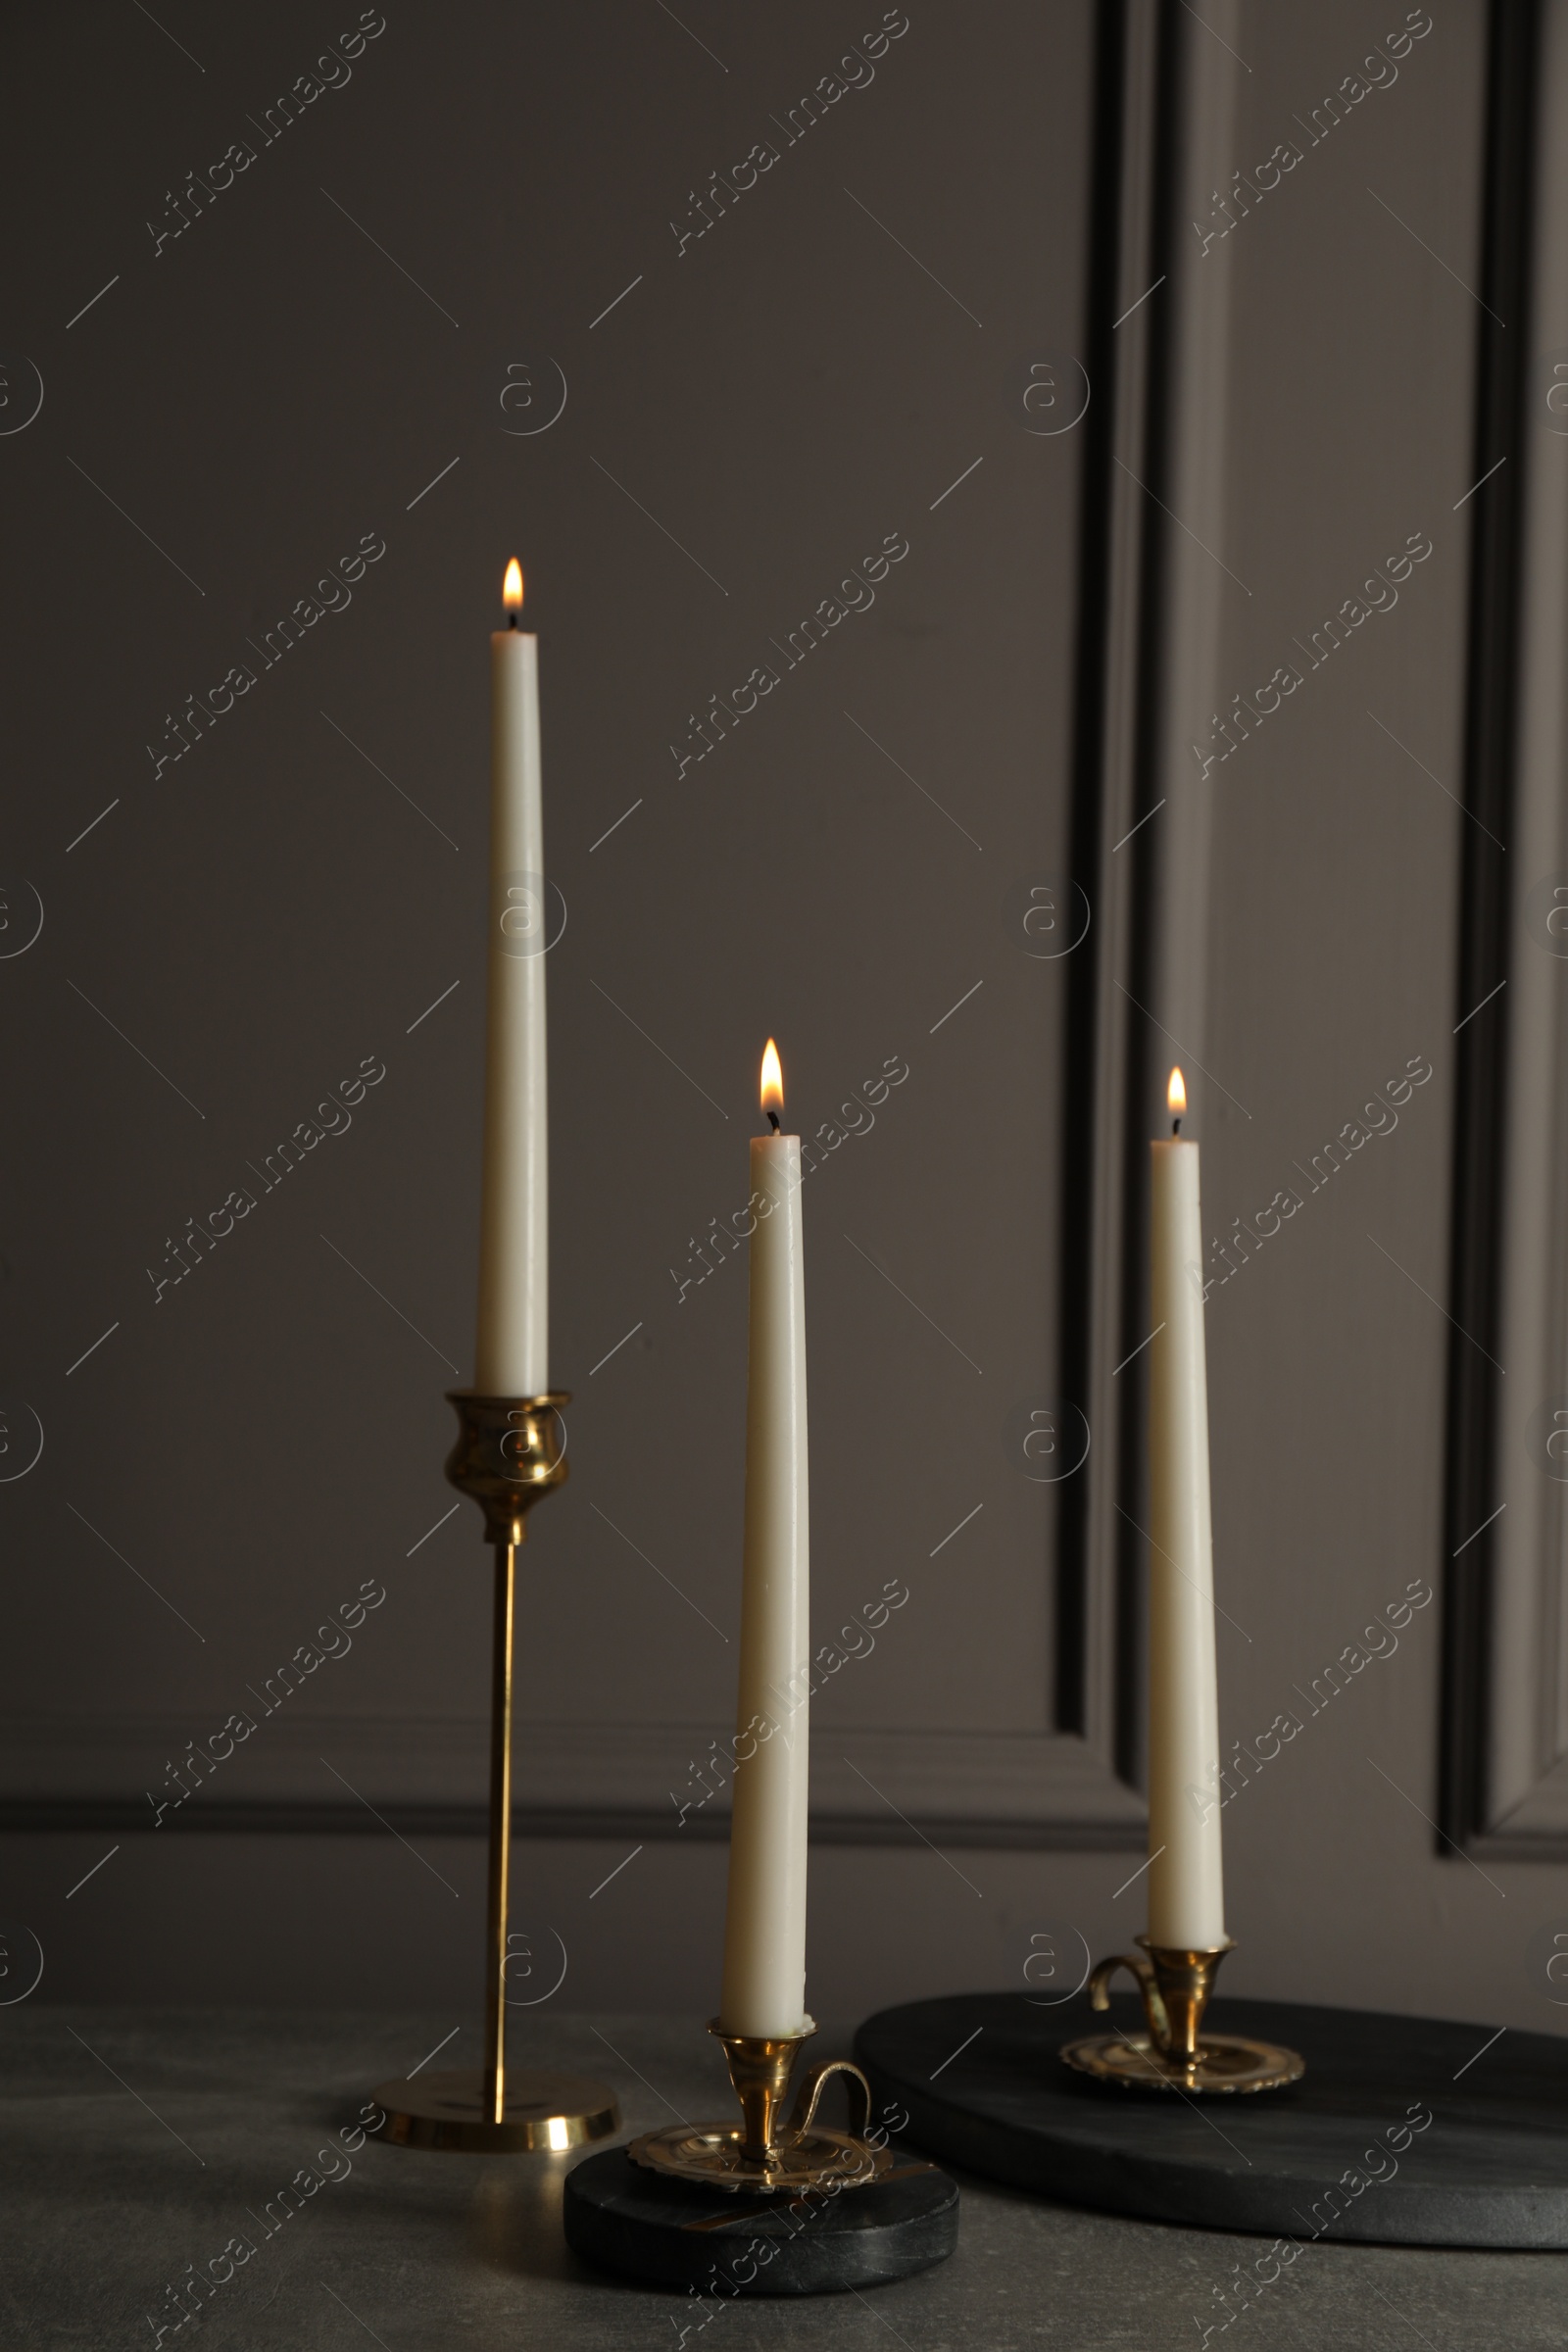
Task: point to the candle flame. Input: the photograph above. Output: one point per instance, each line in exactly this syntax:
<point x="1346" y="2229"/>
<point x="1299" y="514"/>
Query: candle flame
<point x="772" y="1079"/>
<point x="1176" y="1093"/>
<point x="512" y="589"/>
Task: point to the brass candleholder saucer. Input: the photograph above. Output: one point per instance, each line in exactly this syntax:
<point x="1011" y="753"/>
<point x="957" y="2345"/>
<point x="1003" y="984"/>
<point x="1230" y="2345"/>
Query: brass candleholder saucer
<point x="509" y="1451"/>
<point x="758" y="2154"/>
<point x="1175" y="2054"/>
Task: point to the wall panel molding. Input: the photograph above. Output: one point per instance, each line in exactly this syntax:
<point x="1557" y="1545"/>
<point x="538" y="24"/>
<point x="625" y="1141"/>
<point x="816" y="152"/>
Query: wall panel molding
<point x="1152" y="448"/>
<point x="1147" y="682"/>
<point x="571" y="1780"/>
<point x="1505" y="1715"/>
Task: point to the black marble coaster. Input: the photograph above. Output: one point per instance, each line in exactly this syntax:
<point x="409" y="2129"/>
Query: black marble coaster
<point x="645" y="2226"/>
<point x="1405" y="2131"/>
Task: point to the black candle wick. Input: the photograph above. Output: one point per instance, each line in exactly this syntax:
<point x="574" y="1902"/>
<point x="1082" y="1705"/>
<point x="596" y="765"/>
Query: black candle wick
<point x="773" y="1121"/>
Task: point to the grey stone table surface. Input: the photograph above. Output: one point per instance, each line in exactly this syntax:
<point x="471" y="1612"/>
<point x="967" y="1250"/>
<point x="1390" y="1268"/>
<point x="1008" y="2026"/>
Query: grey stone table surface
<point x="135" y="2145"/>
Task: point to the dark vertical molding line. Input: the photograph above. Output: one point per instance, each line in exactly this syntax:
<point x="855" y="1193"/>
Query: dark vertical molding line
<point x="1491" y="746"/>
<point x="1085" y="1011"/>
<point x="1146" y="1051"/>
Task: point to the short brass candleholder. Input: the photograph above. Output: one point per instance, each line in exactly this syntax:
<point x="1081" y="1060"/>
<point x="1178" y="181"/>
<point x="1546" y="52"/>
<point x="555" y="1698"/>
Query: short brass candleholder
<point x="760" y="2153"/>
<point x="509" y="1451"/>
<point x="1175" y="2054"/>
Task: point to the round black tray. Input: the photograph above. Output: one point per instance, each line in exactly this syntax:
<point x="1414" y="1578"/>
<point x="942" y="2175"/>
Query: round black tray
<point x="1405" y="2131"/>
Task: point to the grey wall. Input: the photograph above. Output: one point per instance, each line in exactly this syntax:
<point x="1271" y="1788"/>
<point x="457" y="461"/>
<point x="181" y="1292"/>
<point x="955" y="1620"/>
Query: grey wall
<point x="764" y="406"/>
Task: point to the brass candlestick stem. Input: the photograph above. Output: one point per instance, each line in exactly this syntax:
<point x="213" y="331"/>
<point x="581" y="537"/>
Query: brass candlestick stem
<point x="760" y="2153"/>
<point x="1175" y="2054"/>
<point x="509" y="1451"/>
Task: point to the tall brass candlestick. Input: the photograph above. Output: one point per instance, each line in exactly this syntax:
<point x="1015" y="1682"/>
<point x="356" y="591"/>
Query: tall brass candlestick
<point x="500" y="1871"/>
<point x="509" y="1451"/>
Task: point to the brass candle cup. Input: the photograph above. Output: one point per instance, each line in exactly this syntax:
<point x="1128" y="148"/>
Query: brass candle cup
<point x="509" y="1451"/>
<point x="761" y="2153"/>
<point x="1175" y="2053"/>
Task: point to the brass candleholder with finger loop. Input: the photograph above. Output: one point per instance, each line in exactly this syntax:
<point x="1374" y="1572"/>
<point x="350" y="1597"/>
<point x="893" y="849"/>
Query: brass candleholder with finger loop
<point x="1174" y="2054"/>
<point x="764" y="2152"/>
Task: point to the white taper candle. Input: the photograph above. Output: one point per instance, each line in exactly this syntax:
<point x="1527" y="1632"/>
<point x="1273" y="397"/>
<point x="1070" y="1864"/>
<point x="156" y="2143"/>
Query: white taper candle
<point x="1186" y="1882"/>
<point x="764" y="1934"/>
<point x="513" y="1354"/>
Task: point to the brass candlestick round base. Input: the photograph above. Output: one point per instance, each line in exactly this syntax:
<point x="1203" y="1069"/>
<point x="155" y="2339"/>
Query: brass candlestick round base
<point x="1174" y="2054"/>
<point x="452" y="2110"/>
<point x="758" y="2154"/>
